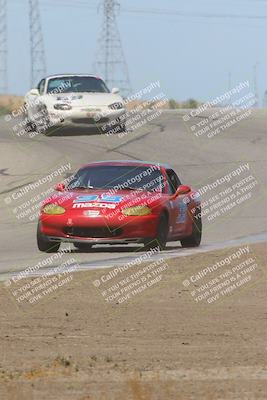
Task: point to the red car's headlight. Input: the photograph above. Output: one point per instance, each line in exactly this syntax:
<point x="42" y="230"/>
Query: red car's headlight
<point x="136" y="211"/>
<point x="53" y="209"/>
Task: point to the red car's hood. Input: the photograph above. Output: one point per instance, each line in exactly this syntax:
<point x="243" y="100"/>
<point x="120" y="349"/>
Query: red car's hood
<point x="105" y="199"/>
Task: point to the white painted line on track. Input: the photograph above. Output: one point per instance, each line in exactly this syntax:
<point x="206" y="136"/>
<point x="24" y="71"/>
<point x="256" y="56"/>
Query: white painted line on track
<point x="167" y="254"/>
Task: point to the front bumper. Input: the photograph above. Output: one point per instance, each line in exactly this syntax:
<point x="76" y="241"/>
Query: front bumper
<point x="96" y="241"/>
<point x="99" y="229"/>
<point x="104" y="118"/>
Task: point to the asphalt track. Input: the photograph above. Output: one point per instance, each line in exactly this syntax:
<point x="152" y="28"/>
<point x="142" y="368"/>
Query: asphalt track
<point x="197" y="160"/>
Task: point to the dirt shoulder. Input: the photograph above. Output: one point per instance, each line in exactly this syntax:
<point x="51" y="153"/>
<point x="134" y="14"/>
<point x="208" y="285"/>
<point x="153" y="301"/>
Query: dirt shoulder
<point x="10" y="103"/>
<point x="167" y="341"/>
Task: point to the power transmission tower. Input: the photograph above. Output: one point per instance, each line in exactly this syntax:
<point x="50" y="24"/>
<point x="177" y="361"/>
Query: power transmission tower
<point x="110" y="60"/>
<point x="38" y="63"/>
<point x="3" y="47"/>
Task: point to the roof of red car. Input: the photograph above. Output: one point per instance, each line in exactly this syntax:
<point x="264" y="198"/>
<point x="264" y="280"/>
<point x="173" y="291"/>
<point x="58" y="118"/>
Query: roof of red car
<point x="128" y="162"/>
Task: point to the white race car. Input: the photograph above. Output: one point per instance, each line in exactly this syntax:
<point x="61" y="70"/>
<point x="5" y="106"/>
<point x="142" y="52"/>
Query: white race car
<point x="76" y="101"/>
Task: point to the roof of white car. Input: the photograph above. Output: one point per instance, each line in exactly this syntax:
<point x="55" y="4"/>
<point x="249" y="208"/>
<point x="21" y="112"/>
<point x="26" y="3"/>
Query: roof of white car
<point x="63" y="75"/>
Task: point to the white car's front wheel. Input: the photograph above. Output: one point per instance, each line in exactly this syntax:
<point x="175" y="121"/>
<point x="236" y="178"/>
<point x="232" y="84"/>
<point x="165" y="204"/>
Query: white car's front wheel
<point x="40" y="124"/>
<point x="43" y="123"/>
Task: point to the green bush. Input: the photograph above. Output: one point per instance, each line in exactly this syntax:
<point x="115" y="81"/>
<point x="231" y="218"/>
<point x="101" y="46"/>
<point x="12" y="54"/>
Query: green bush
<point x="190" y="103"/>
<point x="4" y="110"/>
<point x="173" y="104"/>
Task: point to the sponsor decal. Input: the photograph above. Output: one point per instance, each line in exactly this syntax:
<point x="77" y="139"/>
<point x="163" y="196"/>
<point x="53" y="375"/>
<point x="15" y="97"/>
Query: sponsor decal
<point x="69" y="98"/>
<point x="196" y="196"/>
<point x="91" y="213"/>
<point x="76" y="97"/>
<point x="85" y="199"/>
<point x="182" y="212"/>
<point x="111" y="199"/>
<point x="94" y="205"/>
<point x="103" y="198"/>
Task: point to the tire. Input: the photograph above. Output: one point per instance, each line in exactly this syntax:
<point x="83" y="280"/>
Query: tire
<point x="122" y="128"/>
<point x="42" y="128"/>
<point x="31" y="126"/>
<point x="122" y="124"/>
<point x="83" y="246"/>
<point x="34" y="127"/>
<point x="194" y="239"/>
<point x="162" y="234"/>
<point x="45" y="245"/>
<point x="43" y="123"/>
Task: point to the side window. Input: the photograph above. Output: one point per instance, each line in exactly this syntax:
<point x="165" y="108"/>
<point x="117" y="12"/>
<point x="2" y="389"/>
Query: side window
<point x="173" y="181"/>
<point x="41" y="86"/>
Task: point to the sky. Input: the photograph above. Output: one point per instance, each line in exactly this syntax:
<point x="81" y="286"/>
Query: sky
<point x="189" y="54"/>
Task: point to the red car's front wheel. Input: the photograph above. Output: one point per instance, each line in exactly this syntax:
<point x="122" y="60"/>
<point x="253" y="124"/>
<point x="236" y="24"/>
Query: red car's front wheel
<point x="194" y="239"/>
<point x="45" y="244"/>
<point x="162" y="234"/>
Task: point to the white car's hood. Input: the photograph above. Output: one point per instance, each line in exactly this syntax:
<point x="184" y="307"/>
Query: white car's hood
<point x="83" y="99"/>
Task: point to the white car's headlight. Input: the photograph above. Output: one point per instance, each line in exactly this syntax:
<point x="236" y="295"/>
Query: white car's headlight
<point x="62" y="106"/>
<point x="116" y="106"/>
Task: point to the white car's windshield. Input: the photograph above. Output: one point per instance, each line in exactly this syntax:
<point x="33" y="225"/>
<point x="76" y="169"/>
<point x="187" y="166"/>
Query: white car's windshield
<point x="78" y="84"/>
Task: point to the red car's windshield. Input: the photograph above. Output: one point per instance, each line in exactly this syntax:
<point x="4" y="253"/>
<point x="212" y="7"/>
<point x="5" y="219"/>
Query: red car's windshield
<point x="119" y="177"/>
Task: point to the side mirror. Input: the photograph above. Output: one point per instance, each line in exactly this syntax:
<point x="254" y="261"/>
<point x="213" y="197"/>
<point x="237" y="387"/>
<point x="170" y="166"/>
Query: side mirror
<point x="34" y="92"/>
<point x="182" y="189"/>
<point x="60" y="187"/>
<point x="115" y="90"/>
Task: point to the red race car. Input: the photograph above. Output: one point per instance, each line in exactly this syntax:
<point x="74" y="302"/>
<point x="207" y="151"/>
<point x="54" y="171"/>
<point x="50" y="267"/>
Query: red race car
<point x="121" y="202"/>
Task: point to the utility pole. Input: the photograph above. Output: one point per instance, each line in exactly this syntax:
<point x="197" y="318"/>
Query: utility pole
<point x="38" y="62"/>
<point x="255" y="66"/>
<point x="110" y="60"/>
<point x="3" y="47"/>
<point x="229" y="81"/>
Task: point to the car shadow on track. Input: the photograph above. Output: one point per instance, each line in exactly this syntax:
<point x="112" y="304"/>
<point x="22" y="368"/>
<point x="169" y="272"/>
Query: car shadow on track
<point x="120" y="249"/>
<point x="80" y="131"/>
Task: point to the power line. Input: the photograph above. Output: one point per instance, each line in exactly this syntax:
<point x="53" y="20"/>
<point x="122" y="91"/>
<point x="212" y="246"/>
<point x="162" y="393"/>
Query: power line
<point x="3" y="47"/>
<point x="177" y="13"/>
<point x="162" y="12"/>
<point x="154" y="11"/>
<point x="38" y="62"/>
